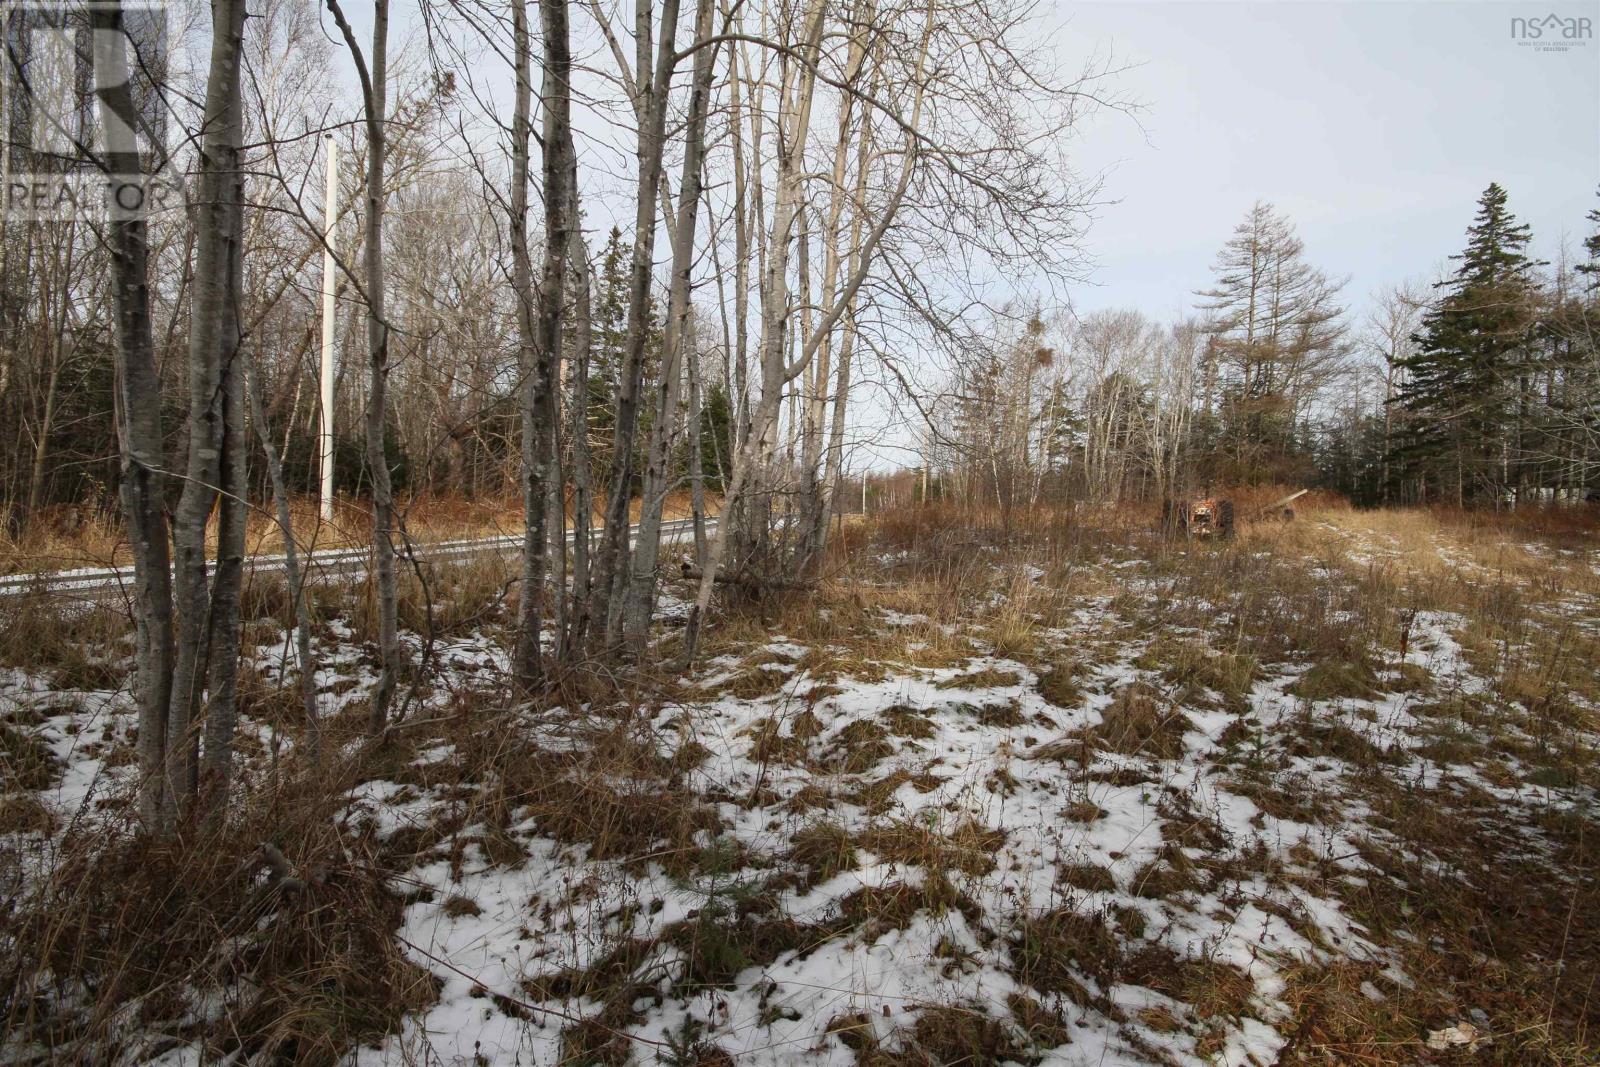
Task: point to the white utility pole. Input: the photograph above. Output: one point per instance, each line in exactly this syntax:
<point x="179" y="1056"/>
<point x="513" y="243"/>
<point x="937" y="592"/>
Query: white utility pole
<point x="329" y="214"/>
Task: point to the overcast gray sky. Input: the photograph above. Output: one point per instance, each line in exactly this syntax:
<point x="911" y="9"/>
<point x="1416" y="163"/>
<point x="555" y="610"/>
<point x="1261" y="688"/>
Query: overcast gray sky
<point x="1374" y="124"/>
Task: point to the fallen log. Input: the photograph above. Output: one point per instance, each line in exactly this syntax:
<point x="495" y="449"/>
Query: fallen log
<point x="751" y="581"/>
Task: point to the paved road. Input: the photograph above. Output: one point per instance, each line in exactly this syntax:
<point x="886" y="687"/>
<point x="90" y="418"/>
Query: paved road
<point x="106" y="582"/>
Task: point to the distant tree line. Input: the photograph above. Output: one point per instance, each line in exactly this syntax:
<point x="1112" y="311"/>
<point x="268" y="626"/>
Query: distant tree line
<point x="451" y="426"/>
<point x="1483" y="392"/>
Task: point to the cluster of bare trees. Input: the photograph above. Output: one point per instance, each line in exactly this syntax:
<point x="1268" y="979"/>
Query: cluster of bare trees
<point x="1114" y="404"/>
<point x="449" y="423"/>
<point x="1098" y="408"/>
<point x="806" y="181"/>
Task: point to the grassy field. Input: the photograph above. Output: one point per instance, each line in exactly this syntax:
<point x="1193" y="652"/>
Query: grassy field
<point x="1039" y="788"/>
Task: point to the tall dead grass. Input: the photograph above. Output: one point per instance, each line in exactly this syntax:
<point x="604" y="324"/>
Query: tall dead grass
<point x="268" y="939"/>
<point x="79" y="645"/>
<point x="300" y="955"/>
<point x="70" y="536"/>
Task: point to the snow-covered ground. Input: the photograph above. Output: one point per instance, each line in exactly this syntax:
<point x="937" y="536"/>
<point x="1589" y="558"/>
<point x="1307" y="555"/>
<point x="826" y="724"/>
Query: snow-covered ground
<point x="1099" y="814"/>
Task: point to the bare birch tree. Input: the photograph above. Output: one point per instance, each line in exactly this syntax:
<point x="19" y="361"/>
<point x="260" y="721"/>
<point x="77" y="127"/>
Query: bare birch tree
<point x="641" y="590"/>
<point x="208" y="618"/>
<point x="374" y="95"/>
<point x="650" y="84"/>
<point x="139" y="430"/>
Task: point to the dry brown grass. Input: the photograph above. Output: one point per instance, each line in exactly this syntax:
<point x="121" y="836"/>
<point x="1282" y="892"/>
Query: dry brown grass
<point x="141" y="923"/>
<point x="1330" y="597"/>
<point x="26" y="764"/>
<point x="616" y="794"/>
<point x="449" y="599"/>
<point x="1451" y="889"/>
<point x="1090" y="877"/>
<point x="859" y="747"/>
<point x="877" y="909"/>
<point x="824" y="849"/>
<point x="1140" y="722"/>
<point x="71" y="536"/>
<point x="1197" y="670"/>
<point x="770" y="744"/>
<point x="1050" y="952"/>
<point x="946" y="1034"/>
<point x="78" y="646"/>
<point x="967" y="848"/>
<point x="61" y="537"/>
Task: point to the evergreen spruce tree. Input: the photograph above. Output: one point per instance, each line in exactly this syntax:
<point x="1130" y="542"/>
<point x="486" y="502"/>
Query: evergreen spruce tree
<point x="1590" y="267"/>
<point x="1464" y="384"/>
<point x="716" y="436"/>
<point x="610" y="323"/>
<point x="610" y="327"/>
<point x="1574" y="336"/>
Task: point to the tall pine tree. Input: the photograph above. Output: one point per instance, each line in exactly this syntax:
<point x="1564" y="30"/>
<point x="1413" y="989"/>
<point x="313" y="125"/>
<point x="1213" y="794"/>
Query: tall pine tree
<point x="1465" y="385"/>
<point x="1590" y="267"/>
<point x="1278" y="339"/>
<point x="1572" y="336"/>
